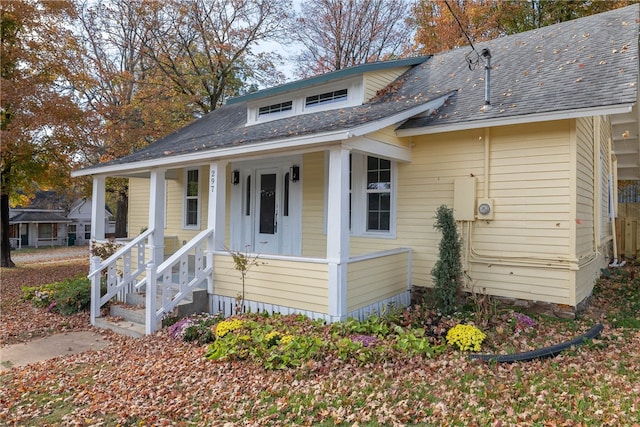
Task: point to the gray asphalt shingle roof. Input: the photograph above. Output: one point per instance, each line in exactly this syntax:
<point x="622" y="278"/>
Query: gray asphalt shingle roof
<point x="225" y="127"/>
<point x="45" y="217"/>
<point x="586" y="63"/>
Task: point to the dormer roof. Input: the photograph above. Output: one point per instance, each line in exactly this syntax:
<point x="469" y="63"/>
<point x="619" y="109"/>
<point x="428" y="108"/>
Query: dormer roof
<point x="328" y="78"/>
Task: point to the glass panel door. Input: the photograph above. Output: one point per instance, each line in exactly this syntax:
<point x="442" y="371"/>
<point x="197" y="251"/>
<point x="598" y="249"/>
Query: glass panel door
<point x="267" y="202"/>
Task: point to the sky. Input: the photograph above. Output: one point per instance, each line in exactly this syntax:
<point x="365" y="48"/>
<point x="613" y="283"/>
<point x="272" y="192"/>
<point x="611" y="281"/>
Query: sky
<point x="288" y="52"/>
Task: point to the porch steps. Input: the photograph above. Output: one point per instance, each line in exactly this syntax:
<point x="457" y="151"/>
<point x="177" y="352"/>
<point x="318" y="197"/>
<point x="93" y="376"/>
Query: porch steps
<point x="133" y="313"/>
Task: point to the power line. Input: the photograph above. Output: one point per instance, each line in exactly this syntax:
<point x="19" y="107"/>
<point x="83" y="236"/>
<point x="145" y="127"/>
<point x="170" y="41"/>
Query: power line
<point x="471" y="61"/>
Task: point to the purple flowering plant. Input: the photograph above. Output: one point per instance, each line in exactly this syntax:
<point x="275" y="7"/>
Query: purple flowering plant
<point x="365" y="340"/>
<point x="523" y="321"/>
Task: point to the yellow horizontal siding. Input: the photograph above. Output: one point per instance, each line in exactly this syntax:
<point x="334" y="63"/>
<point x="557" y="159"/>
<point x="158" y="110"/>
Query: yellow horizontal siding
<point x="138" y="215"/>
<point x="370" y="281"/>
<point x="314" y="239"/>
<point x="529" y="179"/>
<point x="301" y="285"/>
<point x="388" y="135"/>
<point x="377" y="80"/>
<point x="605" y="144"/>
<point x="522" y="282"/>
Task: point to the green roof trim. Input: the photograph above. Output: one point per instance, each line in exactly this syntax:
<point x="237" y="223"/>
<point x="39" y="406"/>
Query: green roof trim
<point x="328" y="77"/>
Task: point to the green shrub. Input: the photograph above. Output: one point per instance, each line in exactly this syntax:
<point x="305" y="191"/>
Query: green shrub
<point x="267" y="344"/>
<point x="66" y="297"/>
<point x="281" y="342"/>
<point x="414" y="342"/>
<point x="41" y="296"/>
<point x="447" y="272"/>
<point x="373" y="325"/>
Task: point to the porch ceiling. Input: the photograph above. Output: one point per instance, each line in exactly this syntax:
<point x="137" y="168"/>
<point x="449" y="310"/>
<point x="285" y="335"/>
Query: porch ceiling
<point x="626" y="144"/>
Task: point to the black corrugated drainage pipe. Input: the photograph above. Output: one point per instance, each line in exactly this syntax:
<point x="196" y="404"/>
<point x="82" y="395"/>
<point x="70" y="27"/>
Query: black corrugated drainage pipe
<point x="552" y="351"/>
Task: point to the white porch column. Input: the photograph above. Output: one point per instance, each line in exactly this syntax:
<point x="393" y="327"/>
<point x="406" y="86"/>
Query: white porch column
<point x="216" y="213"/>
<point x="156" y="245"/>
<point x="338" y="231"/>
<point x="217" y="198"/>
<point x="98" y="208"/>
<point x="156" y="216"/>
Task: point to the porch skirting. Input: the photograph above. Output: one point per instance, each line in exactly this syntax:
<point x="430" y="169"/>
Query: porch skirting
<point x="226" y="306"/>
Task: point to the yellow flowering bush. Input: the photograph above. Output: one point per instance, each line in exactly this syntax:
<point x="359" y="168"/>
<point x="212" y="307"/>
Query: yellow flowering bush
<point x="226" y="326"/>
<point x="466" y="337"/>
<point x="272" y="338"/>
<point x="275" y="338"/>
<point x="286" y="339"/>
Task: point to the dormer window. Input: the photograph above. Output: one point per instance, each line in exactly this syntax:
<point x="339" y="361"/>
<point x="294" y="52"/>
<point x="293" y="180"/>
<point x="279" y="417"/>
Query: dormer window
<point x="326" y="98"/>
<point x="275" y="108"/>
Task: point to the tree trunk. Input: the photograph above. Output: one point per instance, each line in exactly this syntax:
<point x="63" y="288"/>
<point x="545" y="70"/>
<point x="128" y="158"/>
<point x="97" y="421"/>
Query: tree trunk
<point x="122" y="208"/>
<point x="5" y="246"/>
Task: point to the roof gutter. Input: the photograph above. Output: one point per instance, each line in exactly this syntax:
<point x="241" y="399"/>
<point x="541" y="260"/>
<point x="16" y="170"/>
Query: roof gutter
<point x="514" y="120"/>
<point x="266" y="146"/>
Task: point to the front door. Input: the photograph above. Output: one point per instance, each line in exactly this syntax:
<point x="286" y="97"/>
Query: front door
<point x="267" y="205"/>
<point x="266" y="208"/>
<point x="24" y="234"/>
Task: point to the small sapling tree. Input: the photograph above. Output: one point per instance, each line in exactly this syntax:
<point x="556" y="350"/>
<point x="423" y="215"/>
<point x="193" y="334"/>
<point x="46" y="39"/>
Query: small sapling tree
<point x="243" y="263"/>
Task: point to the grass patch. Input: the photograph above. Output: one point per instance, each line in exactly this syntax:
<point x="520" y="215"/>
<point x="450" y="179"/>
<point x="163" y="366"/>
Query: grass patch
<point x="619" y="289"/>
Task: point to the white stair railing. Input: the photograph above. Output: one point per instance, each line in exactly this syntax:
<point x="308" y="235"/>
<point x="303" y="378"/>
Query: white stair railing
<point x="173" y="278"/>
<point x="121" y="271"/>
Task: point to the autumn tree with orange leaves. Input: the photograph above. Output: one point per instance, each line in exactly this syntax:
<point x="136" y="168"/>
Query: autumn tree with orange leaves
<point x="446" y="24"/>
<point x="123" y="94"/>
<point x="39" y="119"/>
<point x="146" y="69"/>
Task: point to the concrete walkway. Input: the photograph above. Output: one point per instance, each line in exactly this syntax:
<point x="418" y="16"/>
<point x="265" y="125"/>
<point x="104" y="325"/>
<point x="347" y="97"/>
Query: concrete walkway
<point x="43" y="349"/>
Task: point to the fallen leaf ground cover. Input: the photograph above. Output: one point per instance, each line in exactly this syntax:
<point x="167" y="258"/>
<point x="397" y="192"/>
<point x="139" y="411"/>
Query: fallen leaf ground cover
<point x="20" y="321"/>
<point x="158" y="380"/>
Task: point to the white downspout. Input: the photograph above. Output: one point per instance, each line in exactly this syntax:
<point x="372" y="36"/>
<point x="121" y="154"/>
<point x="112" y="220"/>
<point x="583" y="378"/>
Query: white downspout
<point x="612" y="209"/>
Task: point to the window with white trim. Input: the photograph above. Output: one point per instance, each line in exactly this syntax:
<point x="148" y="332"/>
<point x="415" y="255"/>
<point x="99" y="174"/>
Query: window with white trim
<point x="371" y="196"/>
<point x="275" y="108"/>
<point x="378" y="194"/>
<point x="45" y="231"/>
<point x="192" y="199"/>
<point x="326" y="98"/>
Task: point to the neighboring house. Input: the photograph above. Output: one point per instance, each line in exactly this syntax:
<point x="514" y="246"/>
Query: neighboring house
<point x="41" y="223"/>
<point x="45" y="222"/>
<point x="333" y="182"/>
<point x="79" y="230"/>
<point x="37" y="227"/>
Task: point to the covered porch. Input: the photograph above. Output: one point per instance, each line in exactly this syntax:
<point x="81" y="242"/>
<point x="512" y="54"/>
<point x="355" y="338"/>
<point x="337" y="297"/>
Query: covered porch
<point x="291" y="212"/>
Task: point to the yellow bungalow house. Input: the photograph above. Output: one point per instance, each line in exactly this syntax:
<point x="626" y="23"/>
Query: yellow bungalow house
<point x="333" y="182"/>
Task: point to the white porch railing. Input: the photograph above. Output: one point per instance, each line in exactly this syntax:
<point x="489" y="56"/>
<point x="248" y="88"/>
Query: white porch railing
<point x="171" y="281"/>
<point x="118" y="283"/>
<point x="173" y="278"/>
